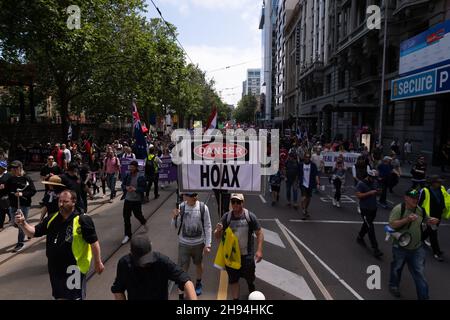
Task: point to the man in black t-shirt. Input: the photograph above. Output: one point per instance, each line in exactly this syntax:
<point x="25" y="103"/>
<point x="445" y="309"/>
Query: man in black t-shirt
<point x="71" y="238"/>
<point x="144" y="274"/>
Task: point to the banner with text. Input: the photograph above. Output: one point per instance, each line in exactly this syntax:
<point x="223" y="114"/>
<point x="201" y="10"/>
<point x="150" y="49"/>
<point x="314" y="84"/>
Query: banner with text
<point x="329" y="158"/>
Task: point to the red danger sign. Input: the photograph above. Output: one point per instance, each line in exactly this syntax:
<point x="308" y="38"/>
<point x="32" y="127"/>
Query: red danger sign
<point x="220" y="151"/>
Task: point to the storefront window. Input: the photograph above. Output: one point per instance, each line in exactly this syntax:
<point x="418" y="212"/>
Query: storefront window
<point x="417" y="112"/>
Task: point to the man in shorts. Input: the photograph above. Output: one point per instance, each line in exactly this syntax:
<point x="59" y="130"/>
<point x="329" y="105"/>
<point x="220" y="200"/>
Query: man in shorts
<point x="193" y="224"/>
<point x="244" y="224"/>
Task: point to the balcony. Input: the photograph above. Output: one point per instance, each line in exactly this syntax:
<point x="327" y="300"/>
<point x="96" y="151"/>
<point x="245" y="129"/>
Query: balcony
<point x="315" y="69"/>
<point x="408" y="4"/>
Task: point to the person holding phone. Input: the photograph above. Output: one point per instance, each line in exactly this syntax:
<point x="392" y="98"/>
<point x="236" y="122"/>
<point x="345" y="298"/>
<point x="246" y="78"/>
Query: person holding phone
<point x="71" y="245"/>
<point x="20" y="190"/>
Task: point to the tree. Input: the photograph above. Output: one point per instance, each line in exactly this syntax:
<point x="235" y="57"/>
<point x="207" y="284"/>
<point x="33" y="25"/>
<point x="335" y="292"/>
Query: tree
<point x="245" y="111"/>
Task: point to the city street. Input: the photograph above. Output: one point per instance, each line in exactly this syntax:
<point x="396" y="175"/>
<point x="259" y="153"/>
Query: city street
<point x="314" y="259"/>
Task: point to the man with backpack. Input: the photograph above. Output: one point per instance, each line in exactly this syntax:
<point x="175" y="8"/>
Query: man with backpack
<point x="152" y="165"/>
<point x="405" y="219"/>
<point x="193" y="224"/>
<point x="133" y="187"/>
<point x="243" y="223"/>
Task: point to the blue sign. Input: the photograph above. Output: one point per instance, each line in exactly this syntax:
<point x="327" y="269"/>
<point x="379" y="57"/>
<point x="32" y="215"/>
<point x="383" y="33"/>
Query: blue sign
<point x="435" y="81"/>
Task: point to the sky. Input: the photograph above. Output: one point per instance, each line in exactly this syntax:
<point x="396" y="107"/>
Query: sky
<point x="217" y="34"/>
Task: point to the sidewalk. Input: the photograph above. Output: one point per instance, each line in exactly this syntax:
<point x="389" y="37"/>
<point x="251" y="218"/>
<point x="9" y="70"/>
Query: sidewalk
<point x="431" y="170"/>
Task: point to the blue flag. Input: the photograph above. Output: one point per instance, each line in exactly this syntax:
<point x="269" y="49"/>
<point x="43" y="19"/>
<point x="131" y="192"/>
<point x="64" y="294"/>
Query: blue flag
<point x="140" y="144"/>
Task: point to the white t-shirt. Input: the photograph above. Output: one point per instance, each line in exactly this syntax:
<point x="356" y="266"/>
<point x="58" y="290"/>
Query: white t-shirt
<point x="67" y="155"/>
<point x="306" y="174"/>
<point x="408" y="147"/>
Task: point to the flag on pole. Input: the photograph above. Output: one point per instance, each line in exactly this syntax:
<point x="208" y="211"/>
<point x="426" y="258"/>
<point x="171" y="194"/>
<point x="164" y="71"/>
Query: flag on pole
<point x="212" y="120"/>
<point x="140" y="145"/>
<point x="69" y="133"/>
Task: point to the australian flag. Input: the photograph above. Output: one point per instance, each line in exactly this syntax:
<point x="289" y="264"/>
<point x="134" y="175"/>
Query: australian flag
<point x="140" y="144"/>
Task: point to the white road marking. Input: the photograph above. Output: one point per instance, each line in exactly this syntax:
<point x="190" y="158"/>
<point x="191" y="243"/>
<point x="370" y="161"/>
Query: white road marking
<point x="262" y="199"/>
<point x="344" y="199"/>
<point x="273" y="238"/>
<point x="349" y="222"/>
<point x="342" y="281"/>
<point x="284" y="279"/>
<point x="303" y="260"/>
<point x="266" y="219"/>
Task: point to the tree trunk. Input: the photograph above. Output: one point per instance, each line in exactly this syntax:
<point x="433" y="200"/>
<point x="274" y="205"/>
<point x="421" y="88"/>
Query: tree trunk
<point x="64" y="110"/>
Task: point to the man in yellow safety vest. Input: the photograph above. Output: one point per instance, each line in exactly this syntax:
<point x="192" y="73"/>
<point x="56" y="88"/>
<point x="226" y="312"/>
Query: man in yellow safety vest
<point x="435" y="201"/>
<point x="71" y="244"/>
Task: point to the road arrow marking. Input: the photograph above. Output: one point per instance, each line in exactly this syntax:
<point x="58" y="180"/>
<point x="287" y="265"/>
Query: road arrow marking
<point x="273" y="238"/>
<point x="284" y="279"/>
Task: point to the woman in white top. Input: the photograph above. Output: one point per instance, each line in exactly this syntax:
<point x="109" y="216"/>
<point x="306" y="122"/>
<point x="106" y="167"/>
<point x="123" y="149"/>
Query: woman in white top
<point x="128" y="154"/>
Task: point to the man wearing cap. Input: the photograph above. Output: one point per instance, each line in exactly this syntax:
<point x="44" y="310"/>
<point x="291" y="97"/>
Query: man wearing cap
<point x="20" y="190"/>
<point x="4" y="199"/>
<point x="193" y="223"/>
<point x="366" y="191"/>
<point x="435" y="201"/>
<point x="133" y="187"/>
<point x="244" y="224"/>
<point x="143" y="274"/>
<point x="406" y="218"/>
<point x="70" y="247"/>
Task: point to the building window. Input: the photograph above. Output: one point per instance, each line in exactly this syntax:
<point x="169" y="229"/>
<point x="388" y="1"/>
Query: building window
<point x="341" y="79"/>
<point x="417" y="112"/>
<point x="328" y="84"/>
<point x="389" y="115"/>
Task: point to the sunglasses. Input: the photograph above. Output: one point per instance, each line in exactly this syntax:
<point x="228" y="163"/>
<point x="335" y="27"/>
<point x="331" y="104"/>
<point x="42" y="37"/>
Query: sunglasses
<point x="50" y="159"/>
<point x="236" y="201"/>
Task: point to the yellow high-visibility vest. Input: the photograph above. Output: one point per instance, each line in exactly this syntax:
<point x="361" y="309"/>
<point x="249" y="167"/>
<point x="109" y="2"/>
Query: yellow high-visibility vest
<point x="81" y="250"/>
<point x="426" y="202"/>
<point x="150" y="157"/>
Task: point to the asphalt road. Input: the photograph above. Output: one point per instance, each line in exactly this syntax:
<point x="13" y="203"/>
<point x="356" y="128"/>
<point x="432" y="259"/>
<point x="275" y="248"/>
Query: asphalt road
<point x="316" y="259"/>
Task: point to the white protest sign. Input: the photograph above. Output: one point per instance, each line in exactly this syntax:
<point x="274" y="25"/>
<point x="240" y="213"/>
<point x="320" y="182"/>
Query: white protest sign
<point x="329" y="158"/>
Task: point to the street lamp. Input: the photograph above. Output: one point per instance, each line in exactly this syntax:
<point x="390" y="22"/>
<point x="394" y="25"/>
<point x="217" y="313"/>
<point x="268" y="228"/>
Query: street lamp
<point x="383" y="77"/>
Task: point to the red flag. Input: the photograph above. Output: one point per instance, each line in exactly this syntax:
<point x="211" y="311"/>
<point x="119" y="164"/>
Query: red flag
<point x="212" y="120"/>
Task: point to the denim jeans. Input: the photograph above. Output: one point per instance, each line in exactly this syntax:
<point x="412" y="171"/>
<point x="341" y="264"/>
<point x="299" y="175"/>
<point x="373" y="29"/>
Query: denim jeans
<point x="12" y="213"/>
<point x="416" y="265"/>
<point x="294" y="186"/>
<point x="111" y="181"/>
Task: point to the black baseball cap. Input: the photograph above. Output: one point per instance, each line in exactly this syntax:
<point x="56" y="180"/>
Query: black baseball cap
<point x="141" y="251"/>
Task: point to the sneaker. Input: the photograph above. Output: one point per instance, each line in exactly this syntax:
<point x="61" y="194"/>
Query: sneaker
<point x="157" y="196"/>
<point x="334" y="202"/>
<point x="358" y="209"/>
<point x="427" y="242"/>
<point x="394" y="291"/>
<point x="125" y="239"/>
<point x="438" y="257"/>
<point x="361" y="241"/>
<point x="198" y="288"/>
<point x="377" y="253"/>
<point x="338" y="204"/>
<point x="19" y="247"/>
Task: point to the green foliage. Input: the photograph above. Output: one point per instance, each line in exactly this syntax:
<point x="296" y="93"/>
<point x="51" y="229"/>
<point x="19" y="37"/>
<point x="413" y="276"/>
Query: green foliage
<point x="245" y="111"/>
<point x="115" y="56"/>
